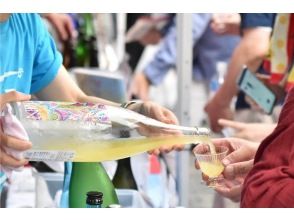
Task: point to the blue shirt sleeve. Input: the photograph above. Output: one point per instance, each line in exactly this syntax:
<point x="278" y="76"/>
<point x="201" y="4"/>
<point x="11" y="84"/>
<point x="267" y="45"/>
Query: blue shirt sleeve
<point x="165" y="57"/>
<point x="252" y="20"/>
<point x="47" y="59"/>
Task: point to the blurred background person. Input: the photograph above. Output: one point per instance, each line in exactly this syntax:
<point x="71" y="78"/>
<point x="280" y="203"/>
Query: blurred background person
<point x="255" y="32"/>
<point x="209" y="48"/>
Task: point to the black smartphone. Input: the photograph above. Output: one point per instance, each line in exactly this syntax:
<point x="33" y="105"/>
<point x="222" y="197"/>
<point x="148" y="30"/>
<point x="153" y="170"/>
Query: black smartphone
<point x="256" y="90"/>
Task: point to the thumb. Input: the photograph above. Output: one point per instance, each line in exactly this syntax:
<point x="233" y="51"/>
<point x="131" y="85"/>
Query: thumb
<point x="13" y="96"/>
<point x="235" y="170"/>
<point x="235" y="157"/>
<point x="232" y="124"/>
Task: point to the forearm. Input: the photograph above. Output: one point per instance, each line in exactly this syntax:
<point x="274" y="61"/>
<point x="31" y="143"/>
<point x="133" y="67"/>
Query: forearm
<point x="63" y="88"/>
<point x="250" y="52"/>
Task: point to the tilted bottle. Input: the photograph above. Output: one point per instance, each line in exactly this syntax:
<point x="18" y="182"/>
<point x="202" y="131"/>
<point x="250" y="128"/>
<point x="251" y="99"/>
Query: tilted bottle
<point x="90" y="177"/>
<point x="85" y="132"/>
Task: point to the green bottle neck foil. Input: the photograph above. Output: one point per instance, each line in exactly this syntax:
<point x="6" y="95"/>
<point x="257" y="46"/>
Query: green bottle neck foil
<point x="90" y="177"/>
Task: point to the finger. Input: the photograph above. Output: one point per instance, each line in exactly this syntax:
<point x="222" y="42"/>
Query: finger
<point x="155" y="152"/>
<point x="70" y="28"/>
<point x="13" y="96"/>
<point x="201" y="149"/>
<point x="237" y="169"/>
<point x="9" y="161"/>
<point x="219" y="142"/>
<point x="62" y="32"/>
<point x="197" y="165"/>
<point x="166" y="149"/>
<point x="240" y="135"/>
<point x="236" y="156"/>
<point x="233" y="193"/>
<point x="158" y="113"/>
<point x="14" y="143"/>
<point x="170" y="117"/>
<point x="205" y="178"/>
<point x="179" y="147"/>
<point x="232" y="124"/>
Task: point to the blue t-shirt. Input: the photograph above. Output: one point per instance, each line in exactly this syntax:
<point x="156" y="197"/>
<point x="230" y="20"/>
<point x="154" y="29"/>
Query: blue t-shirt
<point x="29" y="60"/>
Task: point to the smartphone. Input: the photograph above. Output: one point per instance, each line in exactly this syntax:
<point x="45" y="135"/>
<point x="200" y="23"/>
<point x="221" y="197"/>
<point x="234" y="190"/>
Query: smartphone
<point x="256" y="90"/>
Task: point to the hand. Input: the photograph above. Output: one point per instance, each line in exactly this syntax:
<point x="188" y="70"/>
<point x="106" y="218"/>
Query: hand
<point x="238" y="163"/>
<point x="249" y="131"/>
<point x="140" y="86"/>
<point x="153" y="37"/>
<point x="231" y="189"/>
<point x="277" y="89"/>
<point x="239" y="160"/>
<point x="215" y="110"/>
<point x="226" y="23"/>
<point x="155" y="111"/>
<point x="62" y="24"/>
<point x="8" y="141"/>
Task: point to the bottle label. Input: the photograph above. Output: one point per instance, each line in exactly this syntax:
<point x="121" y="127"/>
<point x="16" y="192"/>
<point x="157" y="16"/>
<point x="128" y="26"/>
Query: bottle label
<point x="43" y="155"/>
<point x="64" y="111"/>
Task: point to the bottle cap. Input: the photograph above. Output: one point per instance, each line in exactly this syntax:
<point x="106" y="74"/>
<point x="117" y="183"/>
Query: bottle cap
<point x="94" y="198"/>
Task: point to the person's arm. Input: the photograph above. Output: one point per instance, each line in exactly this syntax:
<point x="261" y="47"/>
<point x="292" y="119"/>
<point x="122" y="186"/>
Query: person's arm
<point x="63" y="88"/>
<point x="166" y="58"/>
<point x="251" y="50"/>
<point x="51" y="81"/>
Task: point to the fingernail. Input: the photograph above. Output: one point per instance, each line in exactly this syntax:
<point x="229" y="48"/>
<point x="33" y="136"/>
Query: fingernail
<point x="226" y="162"/>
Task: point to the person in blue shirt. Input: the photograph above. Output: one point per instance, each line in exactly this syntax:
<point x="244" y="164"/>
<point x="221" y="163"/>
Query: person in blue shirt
<point x="31" y="64"/>
<point x="209" y="48"/>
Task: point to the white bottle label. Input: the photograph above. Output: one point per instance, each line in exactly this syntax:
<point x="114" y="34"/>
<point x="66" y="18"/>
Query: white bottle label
<point x="43" y="155"/>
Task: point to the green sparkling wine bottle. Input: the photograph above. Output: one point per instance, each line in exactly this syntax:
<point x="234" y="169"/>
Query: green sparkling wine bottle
<point x="90" y="177"/>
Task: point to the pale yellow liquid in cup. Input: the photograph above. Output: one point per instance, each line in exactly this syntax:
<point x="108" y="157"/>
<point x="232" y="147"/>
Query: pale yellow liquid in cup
<point x="211" y="169"/>
<point x="103" y="150"/>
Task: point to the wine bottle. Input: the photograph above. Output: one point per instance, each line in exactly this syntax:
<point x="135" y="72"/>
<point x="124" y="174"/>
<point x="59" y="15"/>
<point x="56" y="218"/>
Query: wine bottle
<point x="88" y="177"/>
<point x="85" y="132"/>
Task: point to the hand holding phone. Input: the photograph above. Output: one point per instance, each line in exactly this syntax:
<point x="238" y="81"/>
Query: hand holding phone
<point x="257" y="91"/>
